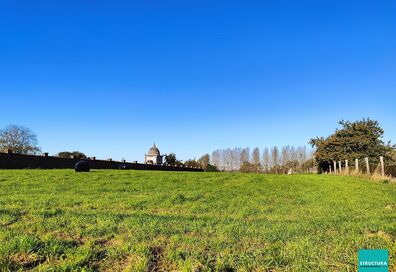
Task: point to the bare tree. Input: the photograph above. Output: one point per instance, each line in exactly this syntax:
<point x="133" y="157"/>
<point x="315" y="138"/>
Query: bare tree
<point x="256" y="159"/>
<point x="245" y="155"/>
<point x="235" y="158"/>
<point x="301" y="156"/>
<point x="266" y="159"/>
<point x="275" y="158"/>
<point x="228" y="159"/>
<point x="285" y="157"/>
<point x="19" y="139"/>
<point x="216" y="159"/>
<point x="293" y="159"/>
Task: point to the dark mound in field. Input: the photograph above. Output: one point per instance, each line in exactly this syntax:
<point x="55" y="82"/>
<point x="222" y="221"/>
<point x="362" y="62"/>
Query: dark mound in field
<point x="82" y="166"/>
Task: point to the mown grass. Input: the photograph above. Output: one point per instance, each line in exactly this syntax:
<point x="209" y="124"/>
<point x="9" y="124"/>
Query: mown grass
<point x="58" y="220"/>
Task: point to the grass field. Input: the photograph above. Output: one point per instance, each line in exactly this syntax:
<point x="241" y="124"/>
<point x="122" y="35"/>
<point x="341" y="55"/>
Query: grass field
<point x="58" y="220"/>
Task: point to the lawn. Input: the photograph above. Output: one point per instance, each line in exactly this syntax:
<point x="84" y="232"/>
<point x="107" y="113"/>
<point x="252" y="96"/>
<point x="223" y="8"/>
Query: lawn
<point x="110" y="220"/>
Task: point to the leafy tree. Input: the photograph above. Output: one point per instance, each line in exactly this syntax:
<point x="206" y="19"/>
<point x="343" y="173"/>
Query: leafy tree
<point x="192" y="163"/>
<point x="355" y="140"/>
<point x="79" y="155"/>
<point x="170" y="159"/>
<point x="212" y="168"/>
<point x="74" y="154"/>
<point x="204" y="161"/>
<point x="290" y="165"/>
<point x="20" y="140"/>
<point x="64" y="154"/>
<point x="309" y="164"/>
<point x="394" y="155"/>
<point x="179" y="163"/>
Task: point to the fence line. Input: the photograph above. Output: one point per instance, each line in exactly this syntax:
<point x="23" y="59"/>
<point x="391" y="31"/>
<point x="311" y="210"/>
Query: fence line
<point x="336" y="167"/>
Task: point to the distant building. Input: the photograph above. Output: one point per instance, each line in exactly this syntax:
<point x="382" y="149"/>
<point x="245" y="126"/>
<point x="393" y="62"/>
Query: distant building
<point x="153" y="156"/>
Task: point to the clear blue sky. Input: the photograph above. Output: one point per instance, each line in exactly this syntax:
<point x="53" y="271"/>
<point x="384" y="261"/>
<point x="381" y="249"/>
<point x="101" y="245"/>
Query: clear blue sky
<point x="110" y="78"/>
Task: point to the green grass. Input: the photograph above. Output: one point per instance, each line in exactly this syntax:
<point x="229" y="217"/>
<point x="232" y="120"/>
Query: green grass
<point x="58" y="220"/>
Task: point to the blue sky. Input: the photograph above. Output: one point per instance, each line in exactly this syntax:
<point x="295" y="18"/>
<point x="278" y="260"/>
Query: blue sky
<point x="109" y="78"/>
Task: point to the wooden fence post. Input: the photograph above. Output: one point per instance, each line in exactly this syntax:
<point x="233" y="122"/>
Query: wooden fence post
<point x="346" y="167"/>
<point x="356" y="166"/>
<point x="382" y="166"/>
<point x="367" y="165"/>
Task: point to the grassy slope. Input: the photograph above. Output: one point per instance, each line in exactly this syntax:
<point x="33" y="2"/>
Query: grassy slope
<point x="137" y="220"/>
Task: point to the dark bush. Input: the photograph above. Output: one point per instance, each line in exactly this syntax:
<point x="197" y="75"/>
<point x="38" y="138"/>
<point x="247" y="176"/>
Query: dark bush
<point x="390" y="170"/>
<point x="82" y="166"/>
<point x="212" y="168"/>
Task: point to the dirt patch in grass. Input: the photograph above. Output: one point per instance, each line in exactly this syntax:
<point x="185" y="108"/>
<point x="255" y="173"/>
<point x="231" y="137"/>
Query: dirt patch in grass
<point x="125" y="264"/>
<point x="25" y="261"/>
<point x="122" y="265"/>
<point x="114" y="242"/>
<point x="156" y="254"/>
<point x="101" y="242"/>
<point x="381" y="234"/>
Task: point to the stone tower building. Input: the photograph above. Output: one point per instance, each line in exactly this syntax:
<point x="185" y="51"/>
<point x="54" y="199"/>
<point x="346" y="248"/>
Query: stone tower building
<point x="153" y="156"/>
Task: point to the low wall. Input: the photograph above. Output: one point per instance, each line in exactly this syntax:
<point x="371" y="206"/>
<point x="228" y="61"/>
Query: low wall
<point x="18" y="161"/>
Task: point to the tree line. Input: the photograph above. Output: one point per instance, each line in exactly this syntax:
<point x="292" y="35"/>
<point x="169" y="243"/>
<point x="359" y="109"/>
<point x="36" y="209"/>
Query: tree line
<point x="354" y="140"/>
<point x="269" y="160"/>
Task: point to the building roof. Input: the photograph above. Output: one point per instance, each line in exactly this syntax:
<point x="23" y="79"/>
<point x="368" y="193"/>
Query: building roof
<point x="154" y="151"/>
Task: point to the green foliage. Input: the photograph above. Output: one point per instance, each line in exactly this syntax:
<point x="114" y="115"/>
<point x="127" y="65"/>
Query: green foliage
<point x="211" y="168"/>
<point x="170" y="159"/>
<point x="203" y="163"/>
<point x="64" y="154"/>
<point x="390" y="170"/>
<point x="110" y="220"/>
<point x="192" y="163"/>
<point x="74" y="154"/>
<point x="179" y="163"/>
<point x="355" y="140"/>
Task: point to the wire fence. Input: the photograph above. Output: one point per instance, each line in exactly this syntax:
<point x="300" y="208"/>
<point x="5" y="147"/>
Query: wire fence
<point x="367" y="166"/>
